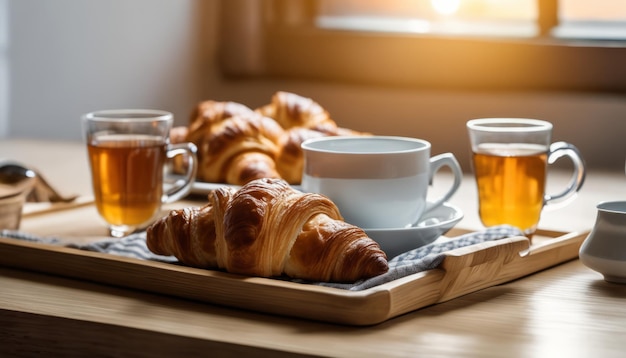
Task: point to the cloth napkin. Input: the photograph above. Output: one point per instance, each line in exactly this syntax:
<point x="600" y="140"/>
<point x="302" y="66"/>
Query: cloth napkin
<point x="417" y="260"/>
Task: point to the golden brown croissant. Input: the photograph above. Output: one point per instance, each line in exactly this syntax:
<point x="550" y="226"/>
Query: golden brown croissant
<point x="208" y="113"/>
<point x="237" y="144"/>
<point x="247" y="166"/>
<point x="268" y="229"/>
<point x="290" y="160"/>
<point x="203" y="118"/>
<point x="292" y="110"/>
<point x="178" y="134"/>
<point x="239" y="149"/>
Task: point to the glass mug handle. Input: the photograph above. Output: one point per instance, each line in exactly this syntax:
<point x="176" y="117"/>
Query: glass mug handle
<point x="558" y="150"/>
<point x="436" y="162"/>
<point x="182" y="186"/>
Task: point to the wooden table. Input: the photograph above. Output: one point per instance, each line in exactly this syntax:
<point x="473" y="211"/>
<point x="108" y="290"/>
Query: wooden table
<point x="567" y="310"/>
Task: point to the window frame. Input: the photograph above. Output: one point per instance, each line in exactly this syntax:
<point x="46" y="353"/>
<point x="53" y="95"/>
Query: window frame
<point x="277" y="39"/>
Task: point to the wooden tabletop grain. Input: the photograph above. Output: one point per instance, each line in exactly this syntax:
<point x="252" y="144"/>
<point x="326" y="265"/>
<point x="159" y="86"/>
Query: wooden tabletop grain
<point x="567" y="310"/>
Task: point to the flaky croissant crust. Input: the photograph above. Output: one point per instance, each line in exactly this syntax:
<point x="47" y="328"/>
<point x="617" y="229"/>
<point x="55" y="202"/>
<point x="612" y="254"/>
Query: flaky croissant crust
<point x="269" y="229"/>
<point x="237" y="144"/>
<point x="231" y="140"/>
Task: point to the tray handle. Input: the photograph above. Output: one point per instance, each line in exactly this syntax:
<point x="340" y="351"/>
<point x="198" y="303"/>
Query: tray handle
<point x="475" y="267"/>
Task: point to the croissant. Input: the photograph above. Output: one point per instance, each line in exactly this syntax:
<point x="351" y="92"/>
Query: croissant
<point x="292" y="110"/>
<point x="268" y="229"/>
<point x="208" y="113"/>
<point x="290" y="161"/>
<point x="237" y="144"/>
<point x="239" y="149"/>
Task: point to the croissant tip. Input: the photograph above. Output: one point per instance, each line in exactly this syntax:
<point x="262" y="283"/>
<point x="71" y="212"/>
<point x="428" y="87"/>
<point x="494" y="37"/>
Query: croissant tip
<point x="380" y="266"/>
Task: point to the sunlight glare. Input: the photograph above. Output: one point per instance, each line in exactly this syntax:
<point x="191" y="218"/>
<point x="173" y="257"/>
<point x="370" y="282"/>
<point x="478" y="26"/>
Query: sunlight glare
<point x="446" y="7"/>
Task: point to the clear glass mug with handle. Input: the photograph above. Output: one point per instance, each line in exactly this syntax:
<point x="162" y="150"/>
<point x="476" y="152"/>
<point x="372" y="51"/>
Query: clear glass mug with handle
<point x="128" y="153"/>
<point x="510" y="158"/>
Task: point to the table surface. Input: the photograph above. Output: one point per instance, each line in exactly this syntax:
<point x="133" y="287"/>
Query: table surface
<point x="568" y="310"/>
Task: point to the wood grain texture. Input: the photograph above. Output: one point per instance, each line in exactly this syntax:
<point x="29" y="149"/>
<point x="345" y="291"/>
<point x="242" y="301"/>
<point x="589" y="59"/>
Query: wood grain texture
<point x="567" y="310"/>
<point x="47" y="338"/>
<point x="462" y="271"/>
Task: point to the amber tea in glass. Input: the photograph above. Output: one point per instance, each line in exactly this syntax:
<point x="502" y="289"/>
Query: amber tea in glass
<point x="128" y="150"/>
<point x="510" y="158"/>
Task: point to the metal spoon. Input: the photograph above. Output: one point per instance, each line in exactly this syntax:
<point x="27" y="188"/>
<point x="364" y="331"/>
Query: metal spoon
<point x="15" y="178"/>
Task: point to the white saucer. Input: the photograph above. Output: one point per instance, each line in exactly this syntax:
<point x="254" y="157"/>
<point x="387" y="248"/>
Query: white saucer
<point x="430" y="227"/>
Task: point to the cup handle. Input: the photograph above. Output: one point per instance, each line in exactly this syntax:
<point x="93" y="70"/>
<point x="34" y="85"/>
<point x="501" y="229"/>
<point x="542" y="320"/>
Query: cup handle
<point x="436" y="163"/>
<point x="182" y="186"/>
<point x="558" y="150"/>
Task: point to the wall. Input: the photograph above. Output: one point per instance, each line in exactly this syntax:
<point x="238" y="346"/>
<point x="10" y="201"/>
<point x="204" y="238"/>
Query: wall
<point x="68" y="57"/>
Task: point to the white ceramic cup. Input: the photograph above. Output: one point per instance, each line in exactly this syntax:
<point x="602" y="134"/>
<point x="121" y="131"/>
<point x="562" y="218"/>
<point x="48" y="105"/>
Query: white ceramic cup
<point x="376" y="181"/>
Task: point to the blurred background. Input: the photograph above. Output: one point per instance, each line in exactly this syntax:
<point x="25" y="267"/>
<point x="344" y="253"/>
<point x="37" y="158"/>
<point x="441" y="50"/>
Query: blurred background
<point x="418" y="68"/>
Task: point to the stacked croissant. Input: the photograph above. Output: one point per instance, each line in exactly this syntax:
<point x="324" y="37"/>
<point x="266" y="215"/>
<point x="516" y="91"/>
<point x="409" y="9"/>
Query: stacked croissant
<point x="268" y="229"/>
<point x="237" y="144"/>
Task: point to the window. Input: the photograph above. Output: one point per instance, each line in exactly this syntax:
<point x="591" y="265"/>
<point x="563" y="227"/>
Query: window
<point x="602" y="19"/>
<point x="502" y="18"/>
<point x="572" y="45"/>
<point x="598" y="19"/>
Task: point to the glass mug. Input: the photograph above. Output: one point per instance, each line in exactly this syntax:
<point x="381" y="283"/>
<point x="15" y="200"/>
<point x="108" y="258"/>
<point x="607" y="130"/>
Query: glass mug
<point x="510" y="158"/>
<point x="128" y="152"/>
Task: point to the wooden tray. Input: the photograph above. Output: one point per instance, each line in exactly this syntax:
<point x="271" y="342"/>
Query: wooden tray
<point x="462" y="271"/>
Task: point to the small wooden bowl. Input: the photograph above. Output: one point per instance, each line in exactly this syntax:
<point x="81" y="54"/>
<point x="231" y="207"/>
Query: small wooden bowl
<point x="11" y="211"/>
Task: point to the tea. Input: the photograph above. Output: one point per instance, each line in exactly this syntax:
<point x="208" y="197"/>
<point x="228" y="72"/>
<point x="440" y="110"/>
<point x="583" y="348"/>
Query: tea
<point x="511" y="183"/>
<point x="127" y="174"/>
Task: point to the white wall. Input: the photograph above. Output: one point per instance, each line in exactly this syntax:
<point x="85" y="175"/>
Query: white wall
<point x="68" y="57"/>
